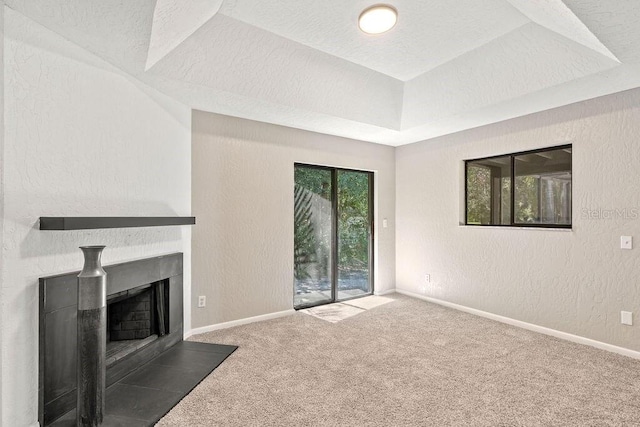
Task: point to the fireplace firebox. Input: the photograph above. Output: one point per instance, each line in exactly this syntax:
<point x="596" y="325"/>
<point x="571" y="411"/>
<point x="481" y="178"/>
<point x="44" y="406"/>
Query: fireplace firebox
<point x="144" y="318"/>
<point x="135" y="318"/>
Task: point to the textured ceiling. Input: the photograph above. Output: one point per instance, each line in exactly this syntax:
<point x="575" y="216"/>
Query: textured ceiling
<point x="446" y="66"/>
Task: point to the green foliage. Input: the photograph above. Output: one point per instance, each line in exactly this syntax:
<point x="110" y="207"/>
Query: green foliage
<point x="317" y="181"/>
<point x="353" y="220"/>
<point x="478" y="195"/>
<point x="304" y="242"/>
<point x="527" y="193"/>
<point x="539" y="194"/>
<point x="317" y="184"/>
<point x="312" y="242"/>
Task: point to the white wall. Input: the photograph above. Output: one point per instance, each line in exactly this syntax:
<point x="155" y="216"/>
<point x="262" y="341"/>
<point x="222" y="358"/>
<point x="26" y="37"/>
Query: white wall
<point x="81" y="139"/>
<point x="1" y="178"/>
<point x="574" y="281"/>
<point x="243" y="198"/>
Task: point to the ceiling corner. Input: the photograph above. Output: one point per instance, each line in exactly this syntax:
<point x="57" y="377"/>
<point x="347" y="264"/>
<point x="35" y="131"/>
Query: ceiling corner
<point x="173" y="22"/>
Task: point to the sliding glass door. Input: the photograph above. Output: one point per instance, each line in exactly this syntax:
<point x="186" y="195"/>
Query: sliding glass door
<point x="354" y="234"/>
<point x="333" y="247"/>
<point x="313" y="235"/>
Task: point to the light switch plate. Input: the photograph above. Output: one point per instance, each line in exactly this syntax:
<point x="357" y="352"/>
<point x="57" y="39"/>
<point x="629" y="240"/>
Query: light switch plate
<point x="385" y="224"/>
<point x="626" y="242"/>
<point x="626" y="318"/>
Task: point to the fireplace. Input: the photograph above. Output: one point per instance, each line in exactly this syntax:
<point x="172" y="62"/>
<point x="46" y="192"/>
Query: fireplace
<point x="144" y="318"/>
<point x="130" y="317"/>
<point x="135" y="318"/>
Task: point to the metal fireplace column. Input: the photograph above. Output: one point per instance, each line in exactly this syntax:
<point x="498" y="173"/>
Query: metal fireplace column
<point x="92" y="339"/>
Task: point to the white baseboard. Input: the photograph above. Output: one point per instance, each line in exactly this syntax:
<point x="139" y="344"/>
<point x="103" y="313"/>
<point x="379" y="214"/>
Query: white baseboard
<point x="530" y="326"/>
<point x="387" y="292"/>
<point x="238" y="322"/>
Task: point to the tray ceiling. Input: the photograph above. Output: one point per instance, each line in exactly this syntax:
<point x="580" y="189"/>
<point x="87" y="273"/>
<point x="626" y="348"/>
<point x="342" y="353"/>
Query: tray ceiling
<point x="445" y="67"/>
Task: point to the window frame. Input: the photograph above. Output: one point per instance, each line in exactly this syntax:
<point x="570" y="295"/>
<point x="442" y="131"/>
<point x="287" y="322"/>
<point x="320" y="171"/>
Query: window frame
<point x="512" y="157"/>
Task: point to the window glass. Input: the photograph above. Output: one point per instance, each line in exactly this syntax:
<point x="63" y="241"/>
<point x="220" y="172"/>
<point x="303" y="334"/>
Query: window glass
<point x="543" y="187"/>
<point x="540" y="194"/>
<point x="489" y="191"/>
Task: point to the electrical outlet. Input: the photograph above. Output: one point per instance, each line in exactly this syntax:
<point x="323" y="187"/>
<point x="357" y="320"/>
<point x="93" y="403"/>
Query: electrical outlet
<point x="626" y="318"/>
<point x="202" y="301"/>
<point x="427" y="278"/>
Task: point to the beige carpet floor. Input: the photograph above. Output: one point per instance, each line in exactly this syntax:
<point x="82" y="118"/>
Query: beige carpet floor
<point x="408" y="363"/>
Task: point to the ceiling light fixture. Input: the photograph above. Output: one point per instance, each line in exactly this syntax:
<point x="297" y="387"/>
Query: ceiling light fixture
<point x="378" y="19"/>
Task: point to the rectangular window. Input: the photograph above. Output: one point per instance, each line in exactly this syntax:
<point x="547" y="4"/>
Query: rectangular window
<point x="540" y="195"/>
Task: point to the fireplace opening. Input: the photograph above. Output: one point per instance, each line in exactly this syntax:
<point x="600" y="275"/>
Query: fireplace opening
<point x="135" y="318"/>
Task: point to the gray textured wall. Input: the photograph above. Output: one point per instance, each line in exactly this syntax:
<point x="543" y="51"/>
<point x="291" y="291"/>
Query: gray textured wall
<point x="242" y="178"/>
<point x="1" y="179"/>
<point x="574" y="281"/>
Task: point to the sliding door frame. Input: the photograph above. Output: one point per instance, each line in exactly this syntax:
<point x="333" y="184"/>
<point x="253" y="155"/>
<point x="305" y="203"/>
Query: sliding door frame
<point x="334" y="232"/>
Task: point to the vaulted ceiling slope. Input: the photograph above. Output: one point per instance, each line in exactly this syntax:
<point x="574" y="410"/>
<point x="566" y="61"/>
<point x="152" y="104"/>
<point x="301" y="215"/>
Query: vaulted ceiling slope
<point x="446" y="66"/>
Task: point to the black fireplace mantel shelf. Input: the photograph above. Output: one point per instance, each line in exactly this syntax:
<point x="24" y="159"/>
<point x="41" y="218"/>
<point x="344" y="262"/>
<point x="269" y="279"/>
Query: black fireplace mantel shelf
<point x="94" y="222"/>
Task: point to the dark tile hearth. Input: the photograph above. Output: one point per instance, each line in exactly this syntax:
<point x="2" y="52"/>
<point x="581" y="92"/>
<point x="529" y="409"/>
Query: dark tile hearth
<point x="148" y="393"/>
